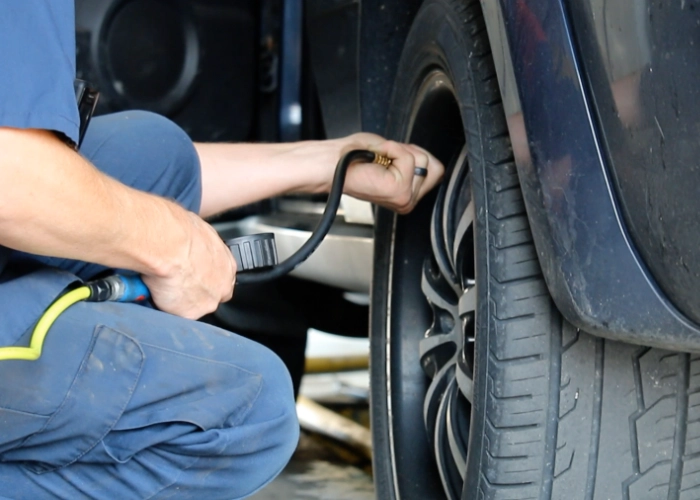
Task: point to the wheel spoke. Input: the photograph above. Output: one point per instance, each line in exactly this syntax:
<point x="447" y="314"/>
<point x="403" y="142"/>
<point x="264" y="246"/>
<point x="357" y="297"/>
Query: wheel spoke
<point x="434" y="396"/>
<point x="437" y="240"/>
<point x="449" y="470"/>
<point x="467" y="302"/>
<point x="463" y="247"/>
<point x="438" y="350"/>
<point x="457" y="431"/>
<point x="464" y="382"/>
<point x="453" y="192"/>
<point x="435" y="342"/>
<point x="436" y="290"/>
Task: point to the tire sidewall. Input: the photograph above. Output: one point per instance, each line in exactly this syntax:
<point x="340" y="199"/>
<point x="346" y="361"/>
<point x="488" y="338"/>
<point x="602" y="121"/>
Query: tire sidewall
<point x="433" y="43"/>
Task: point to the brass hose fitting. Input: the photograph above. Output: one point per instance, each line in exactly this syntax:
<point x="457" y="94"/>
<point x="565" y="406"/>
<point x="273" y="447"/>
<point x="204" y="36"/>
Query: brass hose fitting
<point x="382" y="160"/>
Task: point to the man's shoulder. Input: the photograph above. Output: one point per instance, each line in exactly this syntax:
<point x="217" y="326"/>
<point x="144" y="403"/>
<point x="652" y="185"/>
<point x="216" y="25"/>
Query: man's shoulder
<point x="37" y="53"/>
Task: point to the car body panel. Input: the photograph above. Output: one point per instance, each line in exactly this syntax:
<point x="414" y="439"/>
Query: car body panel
<point x="641" y="67"/>
<point x="593" y="270"/>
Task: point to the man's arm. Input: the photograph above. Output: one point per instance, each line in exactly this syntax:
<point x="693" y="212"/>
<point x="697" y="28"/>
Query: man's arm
<point x="237" y="174"/>
<point x="53" y="202"/>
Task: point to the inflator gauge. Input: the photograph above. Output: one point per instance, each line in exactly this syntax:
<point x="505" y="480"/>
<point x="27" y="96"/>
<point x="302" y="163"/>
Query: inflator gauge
<point x="255" y="255"/>
<point x="256" y="251"/>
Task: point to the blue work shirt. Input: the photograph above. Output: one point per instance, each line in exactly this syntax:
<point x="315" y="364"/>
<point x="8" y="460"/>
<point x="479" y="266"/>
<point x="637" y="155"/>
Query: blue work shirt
<point x="37" y="70"/>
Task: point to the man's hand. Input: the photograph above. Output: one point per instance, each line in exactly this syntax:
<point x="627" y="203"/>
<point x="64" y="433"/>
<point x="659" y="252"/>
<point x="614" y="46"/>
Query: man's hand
<point x="53" y="202"/>
<point x="203" y="277"/>
<point x="396" y="187"/>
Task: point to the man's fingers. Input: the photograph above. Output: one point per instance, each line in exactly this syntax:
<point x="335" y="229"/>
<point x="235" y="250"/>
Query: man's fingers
<point x="431" y="171"/>
<point x="420" y="172"/>
<point x="402" y="162"/>
<point x="416" y="189"/>
<point x="421" y="156"/>
<point x="430" y="180"/>
<point x="407" y="160"/>
<point x="415" y="172"/>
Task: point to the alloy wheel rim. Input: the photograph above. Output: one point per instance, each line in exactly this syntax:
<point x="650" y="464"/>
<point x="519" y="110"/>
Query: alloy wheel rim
<point x="446" y="352"/>
<point x="448" y="283"/>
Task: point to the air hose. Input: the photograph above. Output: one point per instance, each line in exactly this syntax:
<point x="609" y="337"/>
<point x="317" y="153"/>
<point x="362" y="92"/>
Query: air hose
<point x="321" y="230"/>
<point x="36" y="343"/>
<point x="256" y="256"/>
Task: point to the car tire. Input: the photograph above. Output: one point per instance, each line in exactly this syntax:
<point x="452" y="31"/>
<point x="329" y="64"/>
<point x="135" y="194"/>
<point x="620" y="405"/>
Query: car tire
<point x="479" y="388"/>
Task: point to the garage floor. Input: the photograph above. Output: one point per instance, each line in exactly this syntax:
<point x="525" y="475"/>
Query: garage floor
<point x="313" y="476"/>
<point x="322" y="468"/>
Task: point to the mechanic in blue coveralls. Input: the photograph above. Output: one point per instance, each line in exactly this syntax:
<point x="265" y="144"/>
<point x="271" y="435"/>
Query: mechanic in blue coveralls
<point x="127" y="401"/>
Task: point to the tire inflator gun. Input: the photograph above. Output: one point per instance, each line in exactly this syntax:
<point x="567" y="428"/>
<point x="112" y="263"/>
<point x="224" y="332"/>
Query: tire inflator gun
<point x="255" y="255"/>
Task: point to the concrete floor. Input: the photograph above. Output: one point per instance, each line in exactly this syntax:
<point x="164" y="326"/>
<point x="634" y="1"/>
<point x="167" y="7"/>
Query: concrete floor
<point x="319" y="479"/>
<point x="321" y="469"/>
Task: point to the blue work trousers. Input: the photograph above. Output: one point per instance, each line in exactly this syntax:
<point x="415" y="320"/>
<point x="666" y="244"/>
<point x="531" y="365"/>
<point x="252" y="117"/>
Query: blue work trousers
<point x="128" y="402"/>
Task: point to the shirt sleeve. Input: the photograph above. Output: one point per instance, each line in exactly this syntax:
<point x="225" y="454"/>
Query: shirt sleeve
<point x="37" y="65"/>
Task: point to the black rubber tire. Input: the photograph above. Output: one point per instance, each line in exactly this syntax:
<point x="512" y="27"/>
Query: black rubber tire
<point x="556" y="413"/>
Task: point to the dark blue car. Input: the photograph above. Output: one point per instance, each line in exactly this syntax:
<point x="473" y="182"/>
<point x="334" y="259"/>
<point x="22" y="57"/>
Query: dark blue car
<point x="534" y="321"/>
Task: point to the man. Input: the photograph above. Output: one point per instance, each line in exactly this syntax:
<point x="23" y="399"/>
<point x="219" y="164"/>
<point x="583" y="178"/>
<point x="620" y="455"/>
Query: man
<point x="127" y="401"/>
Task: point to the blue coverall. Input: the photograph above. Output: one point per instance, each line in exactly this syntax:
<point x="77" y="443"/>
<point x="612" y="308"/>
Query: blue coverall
<point x="126" y="401"/>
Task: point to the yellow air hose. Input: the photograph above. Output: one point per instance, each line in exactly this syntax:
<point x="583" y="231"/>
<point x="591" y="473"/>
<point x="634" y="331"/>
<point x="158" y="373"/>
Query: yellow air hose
<point x="36" y="343"/>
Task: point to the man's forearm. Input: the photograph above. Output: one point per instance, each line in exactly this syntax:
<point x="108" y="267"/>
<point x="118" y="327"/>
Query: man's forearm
<point x="237" y="174"/>
<point x="53" y="202"/>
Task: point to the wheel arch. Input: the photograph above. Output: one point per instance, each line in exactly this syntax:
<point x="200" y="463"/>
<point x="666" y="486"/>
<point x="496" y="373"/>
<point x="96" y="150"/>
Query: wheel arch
<point x="590" y="264"/>
<point x="344" y="34"/>
<point x="384" y="24"/>
<point x="354" y="80"/>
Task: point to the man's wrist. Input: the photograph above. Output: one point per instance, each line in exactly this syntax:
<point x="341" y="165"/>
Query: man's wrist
<point x="167" y="250"/>
<point x="319" y="160"/>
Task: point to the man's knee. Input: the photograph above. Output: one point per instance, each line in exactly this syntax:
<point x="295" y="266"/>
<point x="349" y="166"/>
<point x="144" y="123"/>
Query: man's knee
<point x="249" y="452"/>
<point x="252" y="439"/>
<point x="273" y="428"/>
<point x="168" y="139"/>
<point x="165" y="138"/>
<point x="278" y="407"/>
<point x="146" y="151"/>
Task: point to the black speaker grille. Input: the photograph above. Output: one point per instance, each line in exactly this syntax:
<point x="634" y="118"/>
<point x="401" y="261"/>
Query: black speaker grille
<point x="146" y="48"/>
<point x="191" y="60"/>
